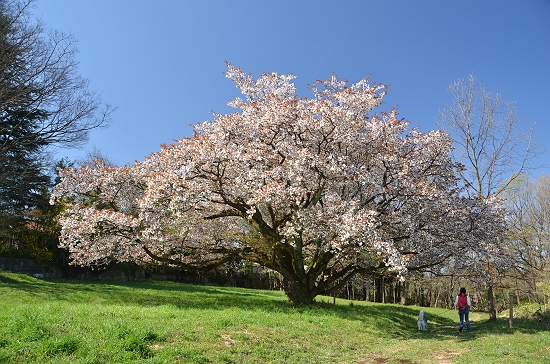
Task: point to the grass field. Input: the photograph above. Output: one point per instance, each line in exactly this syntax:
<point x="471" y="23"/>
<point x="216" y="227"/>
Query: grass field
<point x="44" y="321"/>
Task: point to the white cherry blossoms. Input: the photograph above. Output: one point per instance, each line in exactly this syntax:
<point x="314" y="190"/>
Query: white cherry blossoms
<point x="317" y="188"/>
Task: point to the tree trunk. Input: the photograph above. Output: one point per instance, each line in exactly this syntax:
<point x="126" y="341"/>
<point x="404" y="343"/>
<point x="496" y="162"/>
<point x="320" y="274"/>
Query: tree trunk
<point x="403" y="293"/>
<point x="491" y="302"/>
<point x="377" y="290"/>
<point x="298" y="293"/>
<point x="518" y="296"/>
<point x="383" y="289"/>
<point x="438" y="292"/>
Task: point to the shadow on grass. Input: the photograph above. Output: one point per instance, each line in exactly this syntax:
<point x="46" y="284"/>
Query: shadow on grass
<point x="392" y="321"/>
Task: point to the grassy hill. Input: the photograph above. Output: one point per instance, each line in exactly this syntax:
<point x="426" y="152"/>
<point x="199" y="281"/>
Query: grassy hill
<point x="44" y="321"/>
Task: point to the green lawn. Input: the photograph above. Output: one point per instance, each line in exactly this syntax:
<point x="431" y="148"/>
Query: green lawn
<point x="44" y="321"/>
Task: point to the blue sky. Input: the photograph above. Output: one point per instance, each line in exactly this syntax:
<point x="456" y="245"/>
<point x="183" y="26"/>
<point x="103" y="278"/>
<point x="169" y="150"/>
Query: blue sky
<point x="161" y="61"/>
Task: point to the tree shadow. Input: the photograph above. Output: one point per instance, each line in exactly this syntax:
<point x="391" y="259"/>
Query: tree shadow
<point x="392" y="321"/>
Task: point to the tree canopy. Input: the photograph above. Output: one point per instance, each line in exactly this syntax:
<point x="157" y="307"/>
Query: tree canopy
<point x="318" y="189"/>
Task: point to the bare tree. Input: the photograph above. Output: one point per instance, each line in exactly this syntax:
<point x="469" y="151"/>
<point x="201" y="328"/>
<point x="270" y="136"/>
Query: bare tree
<point x="43" y="100"/>
<point x="489" y="138"/>
<point x="489" y="142"/>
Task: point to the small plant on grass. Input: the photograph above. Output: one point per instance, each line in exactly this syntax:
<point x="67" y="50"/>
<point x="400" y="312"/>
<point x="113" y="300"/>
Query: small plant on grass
<point x="138" y="346"/>
<point x="64" y="345"/>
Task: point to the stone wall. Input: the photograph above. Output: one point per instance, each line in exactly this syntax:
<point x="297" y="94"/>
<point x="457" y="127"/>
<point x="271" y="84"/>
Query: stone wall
<point x="112" y="272"/>
<point x="29" y="266"/>
<point x="130" y="272"/>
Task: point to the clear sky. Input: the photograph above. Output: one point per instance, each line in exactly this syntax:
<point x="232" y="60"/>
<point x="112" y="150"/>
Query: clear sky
<point x="161" y="61"/>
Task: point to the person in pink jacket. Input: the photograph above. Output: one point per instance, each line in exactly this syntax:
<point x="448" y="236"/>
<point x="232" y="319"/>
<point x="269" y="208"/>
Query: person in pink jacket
<point x="463" y="302"/>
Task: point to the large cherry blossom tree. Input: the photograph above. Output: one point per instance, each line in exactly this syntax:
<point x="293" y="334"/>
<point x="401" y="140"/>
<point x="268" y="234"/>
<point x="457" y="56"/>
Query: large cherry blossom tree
<point x="318" y="189"/>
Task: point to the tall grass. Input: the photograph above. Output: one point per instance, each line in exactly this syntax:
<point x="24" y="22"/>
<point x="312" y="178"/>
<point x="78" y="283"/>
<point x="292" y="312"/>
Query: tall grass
<point x="45" y="321"/>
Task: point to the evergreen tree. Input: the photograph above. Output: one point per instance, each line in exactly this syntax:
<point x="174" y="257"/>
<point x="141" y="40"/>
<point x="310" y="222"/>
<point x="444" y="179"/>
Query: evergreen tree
<point x="44" y="103"/>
